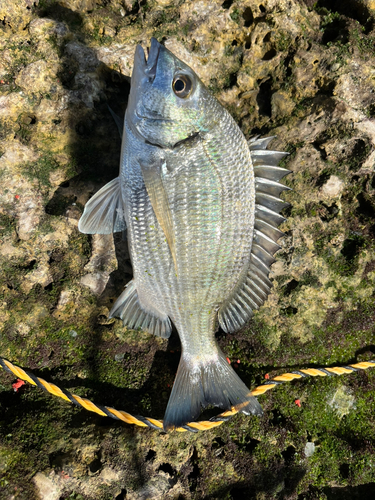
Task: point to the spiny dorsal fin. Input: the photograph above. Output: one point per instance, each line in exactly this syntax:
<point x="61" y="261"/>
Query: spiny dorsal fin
<point x="256" y="143"/>
<point x="270" y="172"/>
<point x="266" y="157"/>
<point x="253" y="290"/>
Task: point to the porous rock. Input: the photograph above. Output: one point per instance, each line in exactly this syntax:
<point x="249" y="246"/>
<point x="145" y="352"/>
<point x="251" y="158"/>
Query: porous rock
<point x="297" y="70"/>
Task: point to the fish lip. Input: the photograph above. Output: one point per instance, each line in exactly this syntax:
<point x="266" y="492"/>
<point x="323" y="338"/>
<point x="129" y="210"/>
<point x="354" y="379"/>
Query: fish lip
<point x="143" y="68"/>
<point x="153" y="57"/>
<point x="139" y="58"/>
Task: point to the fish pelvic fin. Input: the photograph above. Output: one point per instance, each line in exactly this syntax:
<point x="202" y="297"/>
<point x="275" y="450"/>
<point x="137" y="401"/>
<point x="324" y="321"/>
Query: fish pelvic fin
<point x="201" y="383"/>
<point x="135" y="315"/>
<point x="104" y="213"/>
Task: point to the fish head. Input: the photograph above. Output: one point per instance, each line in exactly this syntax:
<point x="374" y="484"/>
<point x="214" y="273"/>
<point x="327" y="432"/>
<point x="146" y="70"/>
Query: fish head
<point x="167" y="101"/>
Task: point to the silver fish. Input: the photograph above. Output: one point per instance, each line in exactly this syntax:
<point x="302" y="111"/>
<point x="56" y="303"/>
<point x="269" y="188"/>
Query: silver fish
<point x="201" y="206"/>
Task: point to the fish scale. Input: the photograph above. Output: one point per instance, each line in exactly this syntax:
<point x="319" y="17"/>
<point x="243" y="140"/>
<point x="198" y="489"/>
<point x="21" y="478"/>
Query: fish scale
<point x="206" y="252"/>
<point x="201" y="207"/>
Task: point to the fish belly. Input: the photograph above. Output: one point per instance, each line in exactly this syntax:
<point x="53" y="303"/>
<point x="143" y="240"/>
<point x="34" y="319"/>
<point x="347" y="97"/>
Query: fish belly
<point x="153" y="271"/>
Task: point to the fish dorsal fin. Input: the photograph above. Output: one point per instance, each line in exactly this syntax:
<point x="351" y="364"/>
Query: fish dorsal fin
<point x="129" y="308"/>
<point x="253" y="289"/>
<point x="104" y="213"/>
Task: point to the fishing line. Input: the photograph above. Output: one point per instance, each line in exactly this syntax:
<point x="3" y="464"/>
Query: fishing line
<point x="106" y="411"/>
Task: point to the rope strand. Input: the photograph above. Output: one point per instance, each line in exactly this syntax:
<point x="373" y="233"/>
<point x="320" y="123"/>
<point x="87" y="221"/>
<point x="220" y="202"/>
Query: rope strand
<point x="203" y="425"/>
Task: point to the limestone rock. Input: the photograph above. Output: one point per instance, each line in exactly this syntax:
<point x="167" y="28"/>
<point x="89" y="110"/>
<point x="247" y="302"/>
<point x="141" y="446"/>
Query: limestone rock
<point x="102" y="263"/>
<point x="16" y="14"/>
<point x="298" y="70"/>
<point x="333" y="187"/>
<point x="44" y="26"/>
<point x="79" y="5"/>
<point x="155" y="489"/>
<point x="33" y="76"/>
<point x="118" y="56"/>
<point x="47" y="489"/>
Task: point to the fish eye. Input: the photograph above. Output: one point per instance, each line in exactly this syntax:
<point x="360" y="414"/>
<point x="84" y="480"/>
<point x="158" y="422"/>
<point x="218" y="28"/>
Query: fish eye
<point x="182" y="85"/>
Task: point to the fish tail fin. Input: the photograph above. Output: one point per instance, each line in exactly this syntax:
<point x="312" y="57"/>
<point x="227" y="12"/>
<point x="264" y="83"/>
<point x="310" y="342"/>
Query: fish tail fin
<point x="199" y="384"/>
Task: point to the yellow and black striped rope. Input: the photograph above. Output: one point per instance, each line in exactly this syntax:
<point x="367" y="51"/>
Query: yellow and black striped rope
<point x="106" y="411"/>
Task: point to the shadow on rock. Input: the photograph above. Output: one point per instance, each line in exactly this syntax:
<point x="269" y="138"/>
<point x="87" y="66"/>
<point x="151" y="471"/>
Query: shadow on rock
<point x="280" y="484"/>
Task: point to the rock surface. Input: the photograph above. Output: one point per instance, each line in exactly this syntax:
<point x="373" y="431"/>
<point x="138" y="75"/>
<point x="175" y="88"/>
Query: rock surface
<point x="299" y="70"/>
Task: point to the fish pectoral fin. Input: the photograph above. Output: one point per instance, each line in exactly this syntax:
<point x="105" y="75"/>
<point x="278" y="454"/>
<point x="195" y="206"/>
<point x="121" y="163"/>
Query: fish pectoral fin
<point x="152" y="176"/>
<point x="134" y="315"/>
<point x="104" y="213"/>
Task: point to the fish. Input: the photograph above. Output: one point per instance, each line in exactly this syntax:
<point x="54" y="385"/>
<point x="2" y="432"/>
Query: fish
<point x="201" y="206"/>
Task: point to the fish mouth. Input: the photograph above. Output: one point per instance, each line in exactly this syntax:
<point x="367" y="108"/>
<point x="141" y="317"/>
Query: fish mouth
<point x="147" y="68"/>
<point x="153" y="117"/>
<point x="153" y="56"/>
<point x="144" y="71"/>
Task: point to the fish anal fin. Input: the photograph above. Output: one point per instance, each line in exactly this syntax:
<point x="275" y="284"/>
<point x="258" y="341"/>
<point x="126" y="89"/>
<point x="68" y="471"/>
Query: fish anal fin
<point x="135" y="315"/>
<point x="200" y="383"/>
<point x="104" y="213"/>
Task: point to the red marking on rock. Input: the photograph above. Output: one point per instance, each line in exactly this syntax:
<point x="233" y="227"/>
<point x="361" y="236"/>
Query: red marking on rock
<point x="17" y="385"/>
